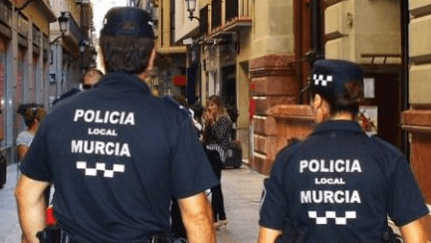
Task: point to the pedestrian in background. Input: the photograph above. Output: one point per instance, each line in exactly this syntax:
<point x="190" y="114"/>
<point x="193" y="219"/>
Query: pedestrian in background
<point x="216" y="138"/>
<point x="117" y="155"/>
<point x="89" y="79"/>
<point x="339" y="185"/>
<point x="32" y="114"/>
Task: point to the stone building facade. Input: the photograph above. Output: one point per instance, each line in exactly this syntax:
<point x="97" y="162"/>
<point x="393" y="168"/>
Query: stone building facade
<point x="24" y="54"/>
<point x="275" y="43"/>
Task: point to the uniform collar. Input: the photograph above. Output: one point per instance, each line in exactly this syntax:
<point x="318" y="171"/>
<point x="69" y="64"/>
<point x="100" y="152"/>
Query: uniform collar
<point x="125" y="79"/>
<point x="337" y="125"/>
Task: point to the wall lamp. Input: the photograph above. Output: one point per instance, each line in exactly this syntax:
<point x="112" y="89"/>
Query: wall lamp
<point x="191" y="7"/>
<point x="63" y="22"/>
<point x="94" y="55"/>
<point x="82" y="46"/>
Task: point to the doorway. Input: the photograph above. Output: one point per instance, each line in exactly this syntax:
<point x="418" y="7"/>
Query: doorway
<point x="383" y="96"/>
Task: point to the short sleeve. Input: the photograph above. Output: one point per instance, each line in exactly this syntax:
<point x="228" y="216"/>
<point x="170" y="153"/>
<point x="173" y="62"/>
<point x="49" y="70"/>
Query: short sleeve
<point x="35" y="164"/>
<point x="23" y="139"/>
<point x="406" y="202"/>
<point x="274" y="200"/>
<point x="191" y="172"/>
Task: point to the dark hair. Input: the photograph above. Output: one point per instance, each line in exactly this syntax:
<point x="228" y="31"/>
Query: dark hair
<point x="181" y="99"/>
<point x="31" y="112"/>
<point x="348" y="101"/>
<point x="198" y="110"/>
<point x="126" y="53"/>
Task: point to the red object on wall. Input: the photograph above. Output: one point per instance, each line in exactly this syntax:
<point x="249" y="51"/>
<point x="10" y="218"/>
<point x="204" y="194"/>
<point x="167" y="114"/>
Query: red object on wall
<point x="179" y="80"/>
<point x="252" y="108"/>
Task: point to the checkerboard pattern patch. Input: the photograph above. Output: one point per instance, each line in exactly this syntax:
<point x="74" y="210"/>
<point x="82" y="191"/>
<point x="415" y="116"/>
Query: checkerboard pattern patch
<point x="82" y="165"/>
<point x="320" y="79"/>
<point x="332" y="215"/>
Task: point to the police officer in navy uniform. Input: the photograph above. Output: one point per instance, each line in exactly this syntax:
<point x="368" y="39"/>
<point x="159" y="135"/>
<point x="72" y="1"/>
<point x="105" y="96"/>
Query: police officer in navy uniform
<point x="117" y="155"/>
<point x="339" y="185"/>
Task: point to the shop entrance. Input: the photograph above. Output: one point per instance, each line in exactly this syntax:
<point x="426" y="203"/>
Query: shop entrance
<point x="382" y="107"/>
<point x="228" y="94"/>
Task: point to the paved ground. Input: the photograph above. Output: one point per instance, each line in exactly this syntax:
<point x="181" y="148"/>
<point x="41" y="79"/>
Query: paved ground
<point x="9" y="227"/>
<point x="241" y="188"/>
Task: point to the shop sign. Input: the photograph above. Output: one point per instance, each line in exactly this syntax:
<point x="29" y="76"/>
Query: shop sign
<point x="179" y="80"/>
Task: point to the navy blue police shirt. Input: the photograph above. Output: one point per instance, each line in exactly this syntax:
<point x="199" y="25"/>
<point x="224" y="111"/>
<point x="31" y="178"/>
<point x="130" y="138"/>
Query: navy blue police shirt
<point x="339" y="185"/>
<point x="116" y="154"/>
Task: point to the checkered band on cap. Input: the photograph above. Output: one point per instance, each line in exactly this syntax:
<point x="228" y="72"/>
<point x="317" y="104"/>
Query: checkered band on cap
<point x="330" y="76"/>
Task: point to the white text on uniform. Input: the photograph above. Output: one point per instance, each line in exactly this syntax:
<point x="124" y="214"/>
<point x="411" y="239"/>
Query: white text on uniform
<point x="326" y="196"/>
<point x="100" y="147"/>
<point x="111" y="117"/>
<point x="102" y="131"/>
<point x="333" y="165"/>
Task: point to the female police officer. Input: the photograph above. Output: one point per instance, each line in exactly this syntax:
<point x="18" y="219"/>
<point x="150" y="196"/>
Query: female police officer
<point x="116" y="154"/>
<point x="339" y="184"/>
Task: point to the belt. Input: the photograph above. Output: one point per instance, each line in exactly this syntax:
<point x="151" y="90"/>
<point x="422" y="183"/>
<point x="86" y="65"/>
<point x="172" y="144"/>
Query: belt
<point x="152" y="239"/>
<point x="66" y="238"/>
<point x="160" y="238"/>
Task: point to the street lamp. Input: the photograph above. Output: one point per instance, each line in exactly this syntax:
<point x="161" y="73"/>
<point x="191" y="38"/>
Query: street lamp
<point x="63" y="23"/>
<point x="82" y="46"/>
<point x="191" y="7"/>
<point x="94" y="55"/>
<point x="63" y="19"/>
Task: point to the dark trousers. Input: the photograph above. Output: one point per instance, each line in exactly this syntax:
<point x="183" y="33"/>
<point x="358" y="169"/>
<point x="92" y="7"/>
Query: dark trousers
<point x="217" y="202"/>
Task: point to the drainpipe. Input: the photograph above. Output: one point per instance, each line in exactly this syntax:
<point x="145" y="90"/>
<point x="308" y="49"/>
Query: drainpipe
<point x="405" y="19"/>
<point x="316" y="32"/>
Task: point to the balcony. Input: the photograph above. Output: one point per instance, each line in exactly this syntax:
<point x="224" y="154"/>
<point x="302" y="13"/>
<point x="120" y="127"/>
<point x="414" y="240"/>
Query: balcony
<point x="236" y="15"/>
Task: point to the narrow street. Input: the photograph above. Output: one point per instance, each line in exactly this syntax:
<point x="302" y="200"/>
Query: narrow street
<point x="242" y="189"/>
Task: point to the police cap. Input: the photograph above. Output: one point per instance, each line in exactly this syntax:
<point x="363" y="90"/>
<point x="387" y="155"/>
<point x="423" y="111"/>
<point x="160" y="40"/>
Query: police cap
<point x="129" y="21"/>
<point x="329" y="77"/>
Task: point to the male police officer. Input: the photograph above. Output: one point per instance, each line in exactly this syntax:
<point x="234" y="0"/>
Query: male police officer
<point x="116" y="154"/>
<point x="89" y="79"/>
<point x="339" y="184"/>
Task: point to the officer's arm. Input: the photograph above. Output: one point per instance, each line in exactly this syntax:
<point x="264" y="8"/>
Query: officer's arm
<point x="267" y="235"/>
<point x="197" y="217"/>
<point x="416" y="231"/>
<point x="30" y="198"/>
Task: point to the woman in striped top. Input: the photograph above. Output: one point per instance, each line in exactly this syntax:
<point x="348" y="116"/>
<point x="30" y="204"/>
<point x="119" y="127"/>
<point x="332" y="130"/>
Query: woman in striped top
<point x="217" y="132"/>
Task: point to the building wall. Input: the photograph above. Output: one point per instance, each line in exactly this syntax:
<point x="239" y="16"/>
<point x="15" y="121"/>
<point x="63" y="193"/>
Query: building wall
<point x="183" y="25"/>
<point x="417" y="120"/>
<point x="24" y="49"/>
<point x="38" y="19"/>
<point x="272" y="77"/>
<point x="65" y="65"/>
<point x="272" y="28"/>
<point x="355" y="27"/>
